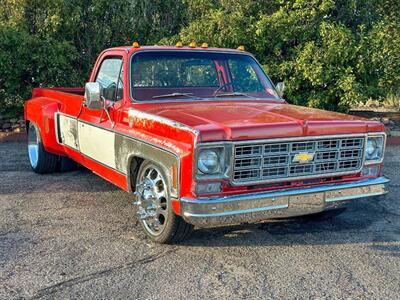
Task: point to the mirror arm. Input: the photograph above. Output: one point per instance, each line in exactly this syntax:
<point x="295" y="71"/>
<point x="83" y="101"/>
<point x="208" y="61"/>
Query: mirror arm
<point x="105" y="109"/>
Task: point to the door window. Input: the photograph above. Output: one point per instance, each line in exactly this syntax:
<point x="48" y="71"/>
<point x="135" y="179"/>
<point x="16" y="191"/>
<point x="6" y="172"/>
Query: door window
<point x="110" y="77"/>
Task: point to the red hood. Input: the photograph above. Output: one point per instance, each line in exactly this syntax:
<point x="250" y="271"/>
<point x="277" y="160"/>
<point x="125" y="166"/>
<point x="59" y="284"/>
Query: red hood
<point x="233" y="120"/>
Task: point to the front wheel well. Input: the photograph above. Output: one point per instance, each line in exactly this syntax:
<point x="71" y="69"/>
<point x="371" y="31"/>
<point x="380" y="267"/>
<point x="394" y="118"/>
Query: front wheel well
<point x="27" y="122"/>
<point x="133" y="170"/>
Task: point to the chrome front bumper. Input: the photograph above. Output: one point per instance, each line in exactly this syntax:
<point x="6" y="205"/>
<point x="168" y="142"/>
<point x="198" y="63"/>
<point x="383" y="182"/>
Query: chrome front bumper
<point x="277" y="204"/>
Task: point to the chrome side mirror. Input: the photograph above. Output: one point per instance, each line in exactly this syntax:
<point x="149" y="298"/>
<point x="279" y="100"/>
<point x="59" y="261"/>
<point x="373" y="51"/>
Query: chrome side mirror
<point x="280" y="88"/>
<point x="93" y="98"/>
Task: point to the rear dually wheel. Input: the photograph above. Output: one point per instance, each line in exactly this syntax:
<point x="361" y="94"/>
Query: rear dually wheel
<point x="40" y="160"/>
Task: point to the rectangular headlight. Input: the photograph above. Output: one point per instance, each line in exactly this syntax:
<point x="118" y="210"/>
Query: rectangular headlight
<point x="375" y="148"/>
<point x="212" y="161"/>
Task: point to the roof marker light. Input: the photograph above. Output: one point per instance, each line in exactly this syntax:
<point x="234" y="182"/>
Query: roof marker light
<point x="135" y="45"/>
<point x="192" y="44"/>
<point x="204" y="45"/>
<point x="179" y="44"/>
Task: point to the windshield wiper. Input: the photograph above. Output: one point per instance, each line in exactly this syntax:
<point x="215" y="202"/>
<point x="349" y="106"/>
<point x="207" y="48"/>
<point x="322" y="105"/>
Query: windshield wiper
<point x="233" y="94"/>
<point x="189" y="95"/>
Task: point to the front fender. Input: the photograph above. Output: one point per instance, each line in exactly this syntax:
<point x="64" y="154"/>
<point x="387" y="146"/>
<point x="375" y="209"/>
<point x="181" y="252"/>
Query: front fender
<point x="128" y="148"/>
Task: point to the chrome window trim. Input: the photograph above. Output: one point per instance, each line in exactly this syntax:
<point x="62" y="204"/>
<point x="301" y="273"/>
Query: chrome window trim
<point x="230" y="144"/>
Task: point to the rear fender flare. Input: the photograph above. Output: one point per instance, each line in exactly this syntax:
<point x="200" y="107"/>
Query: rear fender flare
<point x="41" y="111"/>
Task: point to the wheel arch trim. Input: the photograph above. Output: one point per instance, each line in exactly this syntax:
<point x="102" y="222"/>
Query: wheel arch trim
<point x="165" y="159"/>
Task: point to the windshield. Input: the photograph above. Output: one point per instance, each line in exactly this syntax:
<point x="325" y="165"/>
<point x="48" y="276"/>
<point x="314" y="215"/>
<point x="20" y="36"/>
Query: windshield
<point x="159" y="75"/>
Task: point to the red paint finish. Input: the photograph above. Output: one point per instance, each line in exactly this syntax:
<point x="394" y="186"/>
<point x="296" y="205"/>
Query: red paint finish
<point x="234" y="120"/>
<point x="176" y="206"/>
<point x="179" y="126"/>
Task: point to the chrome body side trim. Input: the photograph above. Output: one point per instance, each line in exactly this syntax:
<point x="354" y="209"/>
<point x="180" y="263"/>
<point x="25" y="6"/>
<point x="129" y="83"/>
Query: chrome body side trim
<point x="278" y="204"/>
<point x="126" y="148"/>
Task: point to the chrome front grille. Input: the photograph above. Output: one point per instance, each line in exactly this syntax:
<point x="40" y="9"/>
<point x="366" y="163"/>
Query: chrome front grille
<point x="273" y="161"/>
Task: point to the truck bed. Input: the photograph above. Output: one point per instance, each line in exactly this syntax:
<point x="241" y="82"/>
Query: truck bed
<point x="45" y="92"/>
<point x="67" y="100"/>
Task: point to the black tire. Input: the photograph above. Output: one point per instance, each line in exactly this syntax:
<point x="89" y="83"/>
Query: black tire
<point x="175" y="229"/>
<point x="178" y="231"/>
<point x="40" y="160"/>
<point x="67" y="164"/>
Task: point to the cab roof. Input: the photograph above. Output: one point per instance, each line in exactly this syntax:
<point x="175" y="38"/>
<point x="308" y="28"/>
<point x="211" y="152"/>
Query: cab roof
<point x="183" y="48"/>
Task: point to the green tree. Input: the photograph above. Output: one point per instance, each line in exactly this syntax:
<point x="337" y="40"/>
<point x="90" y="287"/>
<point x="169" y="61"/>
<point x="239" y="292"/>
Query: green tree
<point x="331" y="53"/>
<point x="56" y="42"/>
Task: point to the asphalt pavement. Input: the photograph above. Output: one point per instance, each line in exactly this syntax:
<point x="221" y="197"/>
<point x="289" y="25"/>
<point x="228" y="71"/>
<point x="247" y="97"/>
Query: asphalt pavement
<point x="74" y="236"/>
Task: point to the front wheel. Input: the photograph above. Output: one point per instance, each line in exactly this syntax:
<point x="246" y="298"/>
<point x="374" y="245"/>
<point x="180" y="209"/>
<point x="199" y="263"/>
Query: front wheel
<point x="154" y="208"/>
<point x="40" y="160"/>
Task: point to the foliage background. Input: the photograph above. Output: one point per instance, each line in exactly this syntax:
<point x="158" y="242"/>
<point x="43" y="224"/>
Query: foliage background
<point x="330" y="53"/>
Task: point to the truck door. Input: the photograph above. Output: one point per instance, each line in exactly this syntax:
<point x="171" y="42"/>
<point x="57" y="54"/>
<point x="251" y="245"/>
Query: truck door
<point x="96" y="128"/>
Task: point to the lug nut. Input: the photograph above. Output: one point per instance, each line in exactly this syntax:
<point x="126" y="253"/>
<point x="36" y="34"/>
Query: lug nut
<point x="152" y="207"/>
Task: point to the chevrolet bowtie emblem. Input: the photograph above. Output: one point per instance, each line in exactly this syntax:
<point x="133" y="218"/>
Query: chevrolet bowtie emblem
<point x="304" y="157"/>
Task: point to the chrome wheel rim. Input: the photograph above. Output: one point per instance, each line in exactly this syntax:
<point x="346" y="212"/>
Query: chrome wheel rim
<point x="152" y="199"/>
<point x="33" y="146"/>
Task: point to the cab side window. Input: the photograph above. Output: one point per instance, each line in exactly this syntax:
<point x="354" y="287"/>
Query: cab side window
<point x="110" y="77"/>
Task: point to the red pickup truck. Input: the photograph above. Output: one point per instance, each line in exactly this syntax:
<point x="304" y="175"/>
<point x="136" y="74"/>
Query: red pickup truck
<point x="201" y="137"/>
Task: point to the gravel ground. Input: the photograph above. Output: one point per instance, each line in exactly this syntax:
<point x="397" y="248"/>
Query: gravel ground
<point x="73" y="235"/>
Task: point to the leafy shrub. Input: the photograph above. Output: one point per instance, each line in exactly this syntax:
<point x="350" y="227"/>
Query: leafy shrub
<point x="31" y="63"/>
<point x="330" y="53"/>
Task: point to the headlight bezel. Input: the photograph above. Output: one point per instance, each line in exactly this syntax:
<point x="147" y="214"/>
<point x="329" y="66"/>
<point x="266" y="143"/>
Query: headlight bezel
<point x="381" y="146"/>
<point x="223" y="151"/>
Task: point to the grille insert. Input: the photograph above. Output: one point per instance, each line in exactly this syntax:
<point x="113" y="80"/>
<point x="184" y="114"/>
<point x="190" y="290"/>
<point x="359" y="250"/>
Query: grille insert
<point x="325" y="167"/>
<point x="276" y="160"/>
<point x="261" y="162"/>
<point x="324" y="156"/>
<point x="328" y="144"/>
<point x="274" y="172"/>
<point x="247" y="163"/>
<point x="248" y="151"/>
<point x="276" y="148"/>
